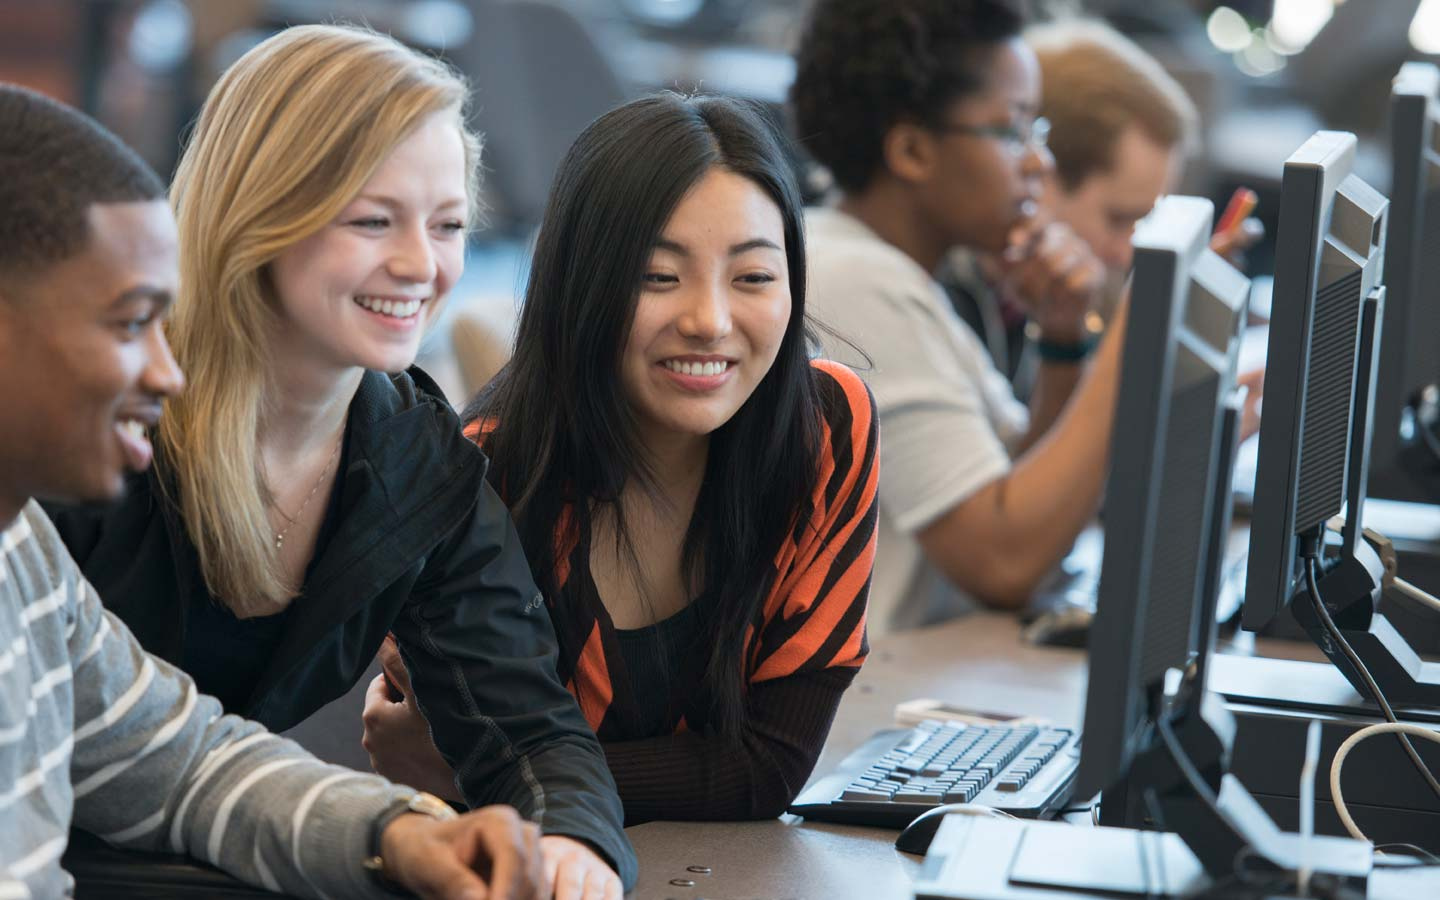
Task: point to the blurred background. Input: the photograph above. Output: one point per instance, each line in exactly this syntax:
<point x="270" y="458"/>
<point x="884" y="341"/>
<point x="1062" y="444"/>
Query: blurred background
<point x="1264" y="73"/>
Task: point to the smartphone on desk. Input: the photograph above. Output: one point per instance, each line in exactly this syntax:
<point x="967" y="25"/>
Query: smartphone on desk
<point x="913" y="712"/>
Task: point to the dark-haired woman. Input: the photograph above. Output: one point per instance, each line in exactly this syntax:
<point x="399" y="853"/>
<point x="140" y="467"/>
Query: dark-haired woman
<point x="695" y="495"/>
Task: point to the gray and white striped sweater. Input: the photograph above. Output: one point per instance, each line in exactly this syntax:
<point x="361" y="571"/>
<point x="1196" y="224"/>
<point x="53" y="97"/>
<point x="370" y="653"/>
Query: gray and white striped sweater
<point x="96" y="732"/>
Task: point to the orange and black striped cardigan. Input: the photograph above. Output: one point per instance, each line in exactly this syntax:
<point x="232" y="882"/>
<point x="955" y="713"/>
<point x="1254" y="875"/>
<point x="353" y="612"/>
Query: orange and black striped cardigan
<point x="806" y="651"/>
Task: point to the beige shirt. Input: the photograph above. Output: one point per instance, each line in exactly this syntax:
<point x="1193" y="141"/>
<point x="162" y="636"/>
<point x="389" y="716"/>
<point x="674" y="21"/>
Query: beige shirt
<point x="948" y="418"/>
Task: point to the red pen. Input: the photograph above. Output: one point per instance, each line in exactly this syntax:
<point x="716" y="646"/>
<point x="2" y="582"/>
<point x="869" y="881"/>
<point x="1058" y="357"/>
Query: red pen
<point x="1242" y="204"/>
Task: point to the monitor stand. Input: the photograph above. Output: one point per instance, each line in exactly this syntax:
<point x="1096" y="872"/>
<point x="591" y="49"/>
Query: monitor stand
<point x="1350" y="585"/>
<point x="1185" y="786"/>
<point x="1205" y="830"/>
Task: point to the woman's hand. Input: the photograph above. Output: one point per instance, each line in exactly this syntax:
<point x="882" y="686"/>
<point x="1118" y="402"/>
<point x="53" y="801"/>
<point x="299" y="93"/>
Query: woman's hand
<point x="576" y="871"/>
<point x="1055" y="276"/>
<point x="396" y="736"/>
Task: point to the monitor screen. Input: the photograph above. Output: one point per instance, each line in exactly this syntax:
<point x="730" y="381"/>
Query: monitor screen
<point x="1167" y="480"/>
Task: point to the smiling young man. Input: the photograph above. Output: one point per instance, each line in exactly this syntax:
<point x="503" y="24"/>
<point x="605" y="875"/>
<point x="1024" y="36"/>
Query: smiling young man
<point x="94" y="732"/>
<point x="925" y="112"/>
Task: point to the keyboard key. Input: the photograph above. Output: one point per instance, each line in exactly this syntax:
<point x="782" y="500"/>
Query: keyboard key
<point x="862" y="794"/>
<point x="909" y="796"/>
<point x="910" y="743"/>
<point x="1009" y="785"/>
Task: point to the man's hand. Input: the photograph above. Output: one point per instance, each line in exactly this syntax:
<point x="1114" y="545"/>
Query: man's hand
<point x="1254" y="380"/>
<point x="488" y="854"/>
<point x="1055" y="275"/>
<point x="576" y="872"/>
<point x="1233" y="243"/>
<point x="396" y="735"/>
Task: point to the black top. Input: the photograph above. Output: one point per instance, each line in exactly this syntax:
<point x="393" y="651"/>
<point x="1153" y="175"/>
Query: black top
<point x="228" y="654"/>
<point x="421" y="548"/>
<point x="651" y="657"/>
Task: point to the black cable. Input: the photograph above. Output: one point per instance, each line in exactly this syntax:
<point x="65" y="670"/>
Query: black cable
<point x="1312" y="584"/>
<point x="1422" y="858"/>
<point x="1187" y="768"/>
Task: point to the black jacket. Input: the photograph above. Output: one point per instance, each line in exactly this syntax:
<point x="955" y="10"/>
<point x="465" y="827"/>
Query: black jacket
<point x="423" y="548"/>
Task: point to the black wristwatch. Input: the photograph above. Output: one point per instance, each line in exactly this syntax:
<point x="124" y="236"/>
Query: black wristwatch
<point x="1069" y="352"/>
<point x="1056" y="352"/>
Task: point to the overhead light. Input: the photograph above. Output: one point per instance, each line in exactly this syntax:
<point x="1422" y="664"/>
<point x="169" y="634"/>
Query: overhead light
<point x="1228" y="30"/>
<point x="1258" y="60"/>
<point x="1296" y="22"/>
<point x="1425" y="27"/>
<point x="1273" y="41"/>
<point x="162" y="35"/>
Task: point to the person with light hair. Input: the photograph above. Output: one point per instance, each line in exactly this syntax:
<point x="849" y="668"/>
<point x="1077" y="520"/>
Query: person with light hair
<point x="1121" y="129"/>
<point x="95" y="733"/>
<point x="1121" y="132"/>
<point x="312" y="492"/>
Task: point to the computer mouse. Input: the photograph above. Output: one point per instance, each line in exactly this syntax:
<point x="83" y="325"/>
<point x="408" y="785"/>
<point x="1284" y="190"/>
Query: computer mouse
<point x="917" y="835"/>
<point x="1067" y="626"/>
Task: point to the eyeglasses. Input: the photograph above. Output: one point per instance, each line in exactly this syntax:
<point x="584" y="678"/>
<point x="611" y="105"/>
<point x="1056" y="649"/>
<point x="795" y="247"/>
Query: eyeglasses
<point x="1017" y="137"/>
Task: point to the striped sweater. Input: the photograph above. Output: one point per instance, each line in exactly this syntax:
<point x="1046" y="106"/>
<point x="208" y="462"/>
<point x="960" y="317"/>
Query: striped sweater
<point x="96" y="733"/>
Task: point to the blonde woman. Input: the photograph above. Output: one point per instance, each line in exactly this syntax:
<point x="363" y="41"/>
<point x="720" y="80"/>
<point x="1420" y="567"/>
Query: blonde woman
<point x="311" y="493"/>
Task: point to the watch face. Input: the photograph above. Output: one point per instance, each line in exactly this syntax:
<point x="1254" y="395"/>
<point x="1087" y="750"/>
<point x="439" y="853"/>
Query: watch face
<point x="432" y="806"/>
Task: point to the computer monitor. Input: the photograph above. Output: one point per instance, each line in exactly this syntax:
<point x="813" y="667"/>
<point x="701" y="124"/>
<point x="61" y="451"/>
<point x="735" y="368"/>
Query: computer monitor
<point x="1156" y="744"/>
<point x="1323" y="362"/>
<point x="1405" y="448"/>
<point x="1165" y="492"/>
<point x="1329" y="257"/>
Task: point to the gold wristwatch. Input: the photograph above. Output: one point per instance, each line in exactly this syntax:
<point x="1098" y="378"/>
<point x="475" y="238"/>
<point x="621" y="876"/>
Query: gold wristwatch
<point x="418" y="802"/>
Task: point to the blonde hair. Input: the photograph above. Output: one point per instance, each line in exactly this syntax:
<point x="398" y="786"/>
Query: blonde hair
<point x="1096" y="83"/>
<point x="287" y="138"/>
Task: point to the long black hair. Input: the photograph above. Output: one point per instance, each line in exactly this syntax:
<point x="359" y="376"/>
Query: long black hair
<point x="566" y="436"/>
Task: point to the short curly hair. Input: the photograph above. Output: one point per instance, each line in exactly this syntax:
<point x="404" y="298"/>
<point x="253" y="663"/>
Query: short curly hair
<point x="863" y="65"/>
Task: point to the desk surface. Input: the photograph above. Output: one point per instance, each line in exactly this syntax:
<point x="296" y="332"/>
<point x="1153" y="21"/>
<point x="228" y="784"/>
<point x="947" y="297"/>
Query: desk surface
<point x="978" y="661"/>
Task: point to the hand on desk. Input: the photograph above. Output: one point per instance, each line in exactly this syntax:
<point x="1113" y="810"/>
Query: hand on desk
<point x="397" y="737"/>
<point x="487" y="854"/>
<point x="576" y="872"/>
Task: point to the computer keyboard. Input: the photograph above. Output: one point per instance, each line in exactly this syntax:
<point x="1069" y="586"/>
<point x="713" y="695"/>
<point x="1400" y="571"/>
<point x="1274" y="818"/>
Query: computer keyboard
<point x="1024" y="770"/>
<point x="1062" y="610"/>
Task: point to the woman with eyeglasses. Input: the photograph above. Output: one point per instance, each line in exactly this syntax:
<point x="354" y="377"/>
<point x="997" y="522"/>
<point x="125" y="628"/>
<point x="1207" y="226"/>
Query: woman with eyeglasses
<point x="925" y="113"/>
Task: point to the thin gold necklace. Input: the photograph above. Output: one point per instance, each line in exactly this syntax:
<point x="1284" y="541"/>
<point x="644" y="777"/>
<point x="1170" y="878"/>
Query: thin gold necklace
<point x="280" y="535"/>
